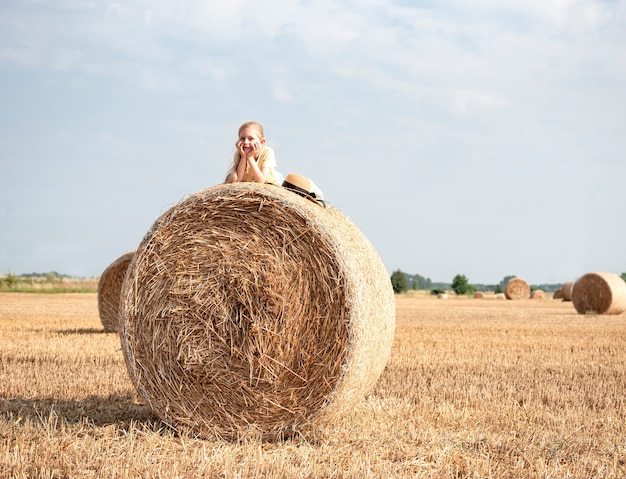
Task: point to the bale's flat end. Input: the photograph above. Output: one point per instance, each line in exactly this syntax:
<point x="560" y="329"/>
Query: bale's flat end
<point x="251" y="310"/>
<point x="517" y="288"/>
<point x="599" y="293"/>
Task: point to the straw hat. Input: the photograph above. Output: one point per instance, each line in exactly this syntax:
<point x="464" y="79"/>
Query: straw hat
<point x="304" y="187"/>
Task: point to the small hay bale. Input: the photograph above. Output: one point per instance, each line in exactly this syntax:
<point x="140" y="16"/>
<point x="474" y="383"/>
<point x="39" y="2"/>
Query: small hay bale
<point x="479" y="295"/>
<point x="567" y="290"/>
<point x="500" y="296"/>
<point x="600" y="293"/>
<point x="249" y="311"/>
<point x="442" y="296"/>
<point x="517" y="288"/>
<point x="110" y="290"/>
<point x="537" y="294"/>
<point x="558" y="294"/>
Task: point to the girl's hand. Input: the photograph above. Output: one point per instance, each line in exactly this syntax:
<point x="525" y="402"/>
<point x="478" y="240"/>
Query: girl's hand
<point x="248" y="151"/>
<point x="240" y="149"/>
<point x="254" y="150"/>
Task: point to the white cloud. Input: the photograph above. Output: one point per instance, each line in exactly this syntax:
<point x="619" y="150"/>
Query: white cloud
<point x="429" y="103"/>
<point x="468" y="101"/>
<point x="390" y="46"/>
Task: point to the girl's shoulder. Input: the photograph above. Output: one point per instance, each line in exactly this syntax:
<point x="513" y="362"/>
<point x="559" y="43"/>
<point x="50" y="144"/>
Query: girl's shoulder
<point x="267" y="152"/>
<point x="267" y="157"/>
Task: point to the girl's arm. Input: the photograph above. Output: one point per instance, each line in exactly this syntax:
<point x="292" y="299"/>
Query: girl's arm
<point x="260" y="167"/>
<point x="259" y="174"/>
<point x="241" y="168"/>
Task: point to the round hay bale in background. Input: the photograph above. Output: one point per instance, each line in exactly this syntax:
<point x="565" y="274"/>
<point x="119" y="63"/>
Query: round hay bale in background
<point x="600" y="293"/>
<point x="479" y="295"/>
<point x="442" y="296"/>
<point x="251" y="311"/>
<point x="537" y="294"/>
<point x="567" y="291"/>
<point x="516" y="288"/>
<point x="110" y="290"/>
<point x="500" y="296"/>
<point x="558" y="294"/>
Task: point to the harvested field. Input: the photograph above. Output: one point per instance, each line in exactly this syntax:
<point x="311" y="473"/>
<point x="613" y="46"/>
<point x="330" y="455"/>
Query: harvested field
<point x="473" y="388"/>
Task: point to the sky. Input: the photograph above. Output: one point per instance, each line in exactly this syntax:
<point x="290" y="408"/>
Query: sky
<point x="483" y="138"/>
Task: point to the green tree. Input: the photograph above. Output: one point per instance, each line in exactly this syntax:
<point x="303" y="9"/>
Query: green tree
<point x="10" y="280"/>
<point x="399" y="281"/>
<point x="53" y="277"/>
<point x="460" y="285"/>
<point x="419" y="282"/>
<point x="624" y="276"/>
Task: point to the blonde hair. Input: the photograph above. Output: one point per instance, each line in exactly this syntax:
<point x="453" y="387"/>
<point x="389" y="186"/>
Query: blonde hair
<point x="252" y="124"/>
<point x="231" y="176"/>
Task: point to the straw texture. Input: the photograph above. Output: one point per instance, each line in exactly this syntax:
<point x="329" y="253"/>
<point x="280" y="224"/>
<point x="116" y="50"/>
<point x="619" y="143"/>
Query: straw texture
<point x="537" y="294"/>
<point x="251" y="311"/>
<point x="110" y="290"/>
<point x="517" y="288"/>
<point x="558" y="294"/>
<point x="601" y="293"/>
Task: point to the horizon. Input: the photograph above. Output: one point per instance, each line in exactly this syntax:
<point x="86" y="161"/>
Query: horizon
<point x="433" y="282"/>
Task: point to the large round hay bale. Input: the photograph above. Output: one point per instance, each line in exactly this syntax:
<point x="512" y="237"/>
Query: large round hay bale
<point x="537" y="294"/>
<point x="251" y="311"/>
<point x="600" y="293"/>
<point x="566" y="289"/>
<point x="517" y="288"/>
<point x="110" y="290"/>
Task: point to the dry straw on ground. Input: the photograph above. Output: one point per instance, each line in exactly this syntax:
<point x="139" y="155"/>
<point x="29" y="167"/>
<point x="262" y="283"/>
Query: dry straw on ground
<point x="251" y="311"/>
<point x="109" y="291"/>
<point x="517" y="288"/>
<point x="566" y="289"/>
<point x="600" y="293"/>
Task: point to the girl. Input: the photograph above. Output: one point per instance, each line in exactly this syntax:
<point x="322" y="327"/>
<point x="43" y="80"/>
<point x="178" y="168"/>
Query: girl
<point x="253" y="161"/>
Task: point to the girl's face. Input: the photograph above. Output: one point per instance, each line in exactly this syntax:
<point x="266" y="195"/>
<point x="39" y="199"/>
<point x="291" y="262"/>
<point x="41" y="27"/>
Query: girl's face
<point x="250" y="140"/>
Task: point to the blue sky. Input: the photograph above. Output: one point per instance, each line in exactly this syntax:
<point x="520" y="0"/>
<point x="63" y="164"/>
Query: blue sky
<point x="485" y="138"/>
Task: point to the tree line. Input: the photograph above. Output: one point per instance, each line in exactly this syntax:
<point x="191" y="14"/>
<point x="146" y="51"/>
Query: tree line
<point x="401" y="282"/>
